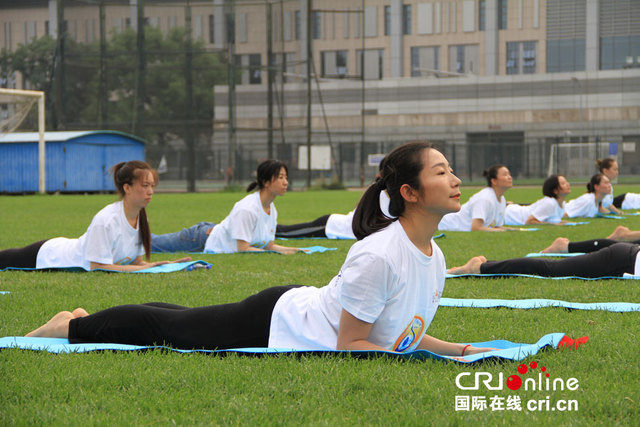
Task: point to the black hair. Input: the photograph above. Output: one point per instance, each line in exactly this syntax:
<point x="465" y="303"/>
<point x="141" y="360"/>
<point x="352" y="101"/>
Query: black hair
<point x="551" y="184"/>
<point x="401" y="166"/>
<point x="267" y="170"/>
<point x="491" y="173"/>
<point x="595" y="180"/>
<point x="127" y="173"/>
<point x="605" y="163"/>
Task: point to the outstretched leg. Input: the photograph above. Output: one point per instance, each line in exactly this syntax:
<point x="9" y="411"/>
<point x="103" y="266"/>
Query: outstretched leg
<point x="190" y="239"/>
<point x="315" y="228"/>
<point x="58" y="325"/>
<point x="471" y="267"/>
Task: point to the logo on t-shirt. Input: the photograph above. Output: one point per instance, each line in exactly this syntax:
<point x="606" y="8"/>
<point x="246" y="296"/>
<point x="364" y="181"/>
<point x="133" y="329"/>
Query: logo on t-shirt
<point x="411" y="334"/>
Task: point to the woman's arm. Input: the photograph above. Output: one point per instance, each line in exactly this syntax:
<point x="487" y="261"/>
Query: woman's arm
<point x="445" y="348"/>
<point x="285" y="250"/>
<point x="244" y="246"/>
<point x="477" y="224"/>
<point x="353" y="334"/>
<point x="137" y="264"/>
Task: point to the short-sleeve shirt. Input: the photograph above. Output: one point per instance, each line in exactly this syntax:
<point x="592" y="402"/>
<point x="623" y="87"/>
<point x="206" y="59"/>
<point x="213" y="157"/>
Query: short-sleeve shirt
<point x="546" y="209"/>
<point x="583" y="206"/>
<point x="385" y="280"/>
<point x="247" y="221"/>
<point x="483" y="205"/>
<point x="608" y="199"/>
<point x="110" y="239"/>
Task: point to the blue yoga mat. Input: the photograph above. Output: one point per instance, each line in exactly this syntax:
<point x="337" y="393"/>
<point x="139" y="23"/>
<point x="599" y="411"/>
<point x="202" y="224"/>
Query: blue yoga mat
<point x="538" y="303"/>
<point x="533" y="276"/>
<point x="335" y="238"/>
<point x="309" y="250"/>
<point x="4" y="292"/>
<point x="608" y="216"/>
<point x="576" y="223"/>
<point x="553" y="254"/>
<point x="506" y="350"/>
<point x="164" y="268"/>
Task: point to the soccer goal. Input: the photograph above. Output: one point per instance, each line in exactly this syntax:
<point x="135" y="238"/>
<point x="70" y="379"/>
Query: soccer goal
<point x="576" y="159"/>
<point x="15" y="106"/>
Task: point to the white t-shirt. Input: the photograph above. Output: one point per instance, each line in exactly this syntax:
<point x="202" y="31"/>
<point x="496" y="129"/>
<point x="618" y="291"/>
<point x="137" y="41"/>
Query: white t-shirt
<point x="583" y="206"/>
<point x="110" y="239"/>
<point x="544" y="210"/>
<point x="340" y="226"/>
<point x="385" y="280"/>
<point x="483" y="205"/>
<point x="247" y="221"/>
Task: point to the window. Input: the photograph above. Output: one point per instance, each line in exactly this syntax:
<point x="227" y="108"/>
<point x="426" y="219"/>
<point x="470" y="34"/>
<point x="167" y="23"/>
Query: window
<point x="373" y="64"/>
<point x="502" y="14"/>
<point x="529" y="57"/>
<point x="212" y="34"/>
<point x="387" y="20"/>
<point x="424" y="61"/>
<point x="565" y="55"/>
<point x="619" y="52"/>
<point x="334" y="63"/>
<point x="316" y="25"/>
<point x="406" y="19"/>
<point x="255" y="75"/>
<point x="297" y="25"/>
<point x="513" y="58"/>
<point x="46" y="28"/>
<point x="481" y="14"/>
<point x="463" y="59"/>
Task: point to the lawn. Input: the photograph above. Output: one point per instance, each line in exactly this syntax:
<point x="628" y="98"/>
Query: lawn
<point x="159" y="387"/>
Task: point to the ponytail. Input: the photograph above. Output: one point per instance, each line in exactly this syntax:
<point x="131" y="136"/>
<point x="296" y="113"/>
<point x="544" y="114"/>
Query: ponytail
<point x="145" y="233"/>
<point x="368" y="216"/>
<point x="595" y="180"/>
<point x="251" y="186"/>
<point x="604" y="163"/>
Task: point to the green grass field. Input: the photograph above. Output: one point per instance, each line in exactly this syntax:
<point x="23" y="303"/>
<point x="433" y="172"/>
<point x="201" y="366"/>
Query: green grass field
<point x="165" y="388"/>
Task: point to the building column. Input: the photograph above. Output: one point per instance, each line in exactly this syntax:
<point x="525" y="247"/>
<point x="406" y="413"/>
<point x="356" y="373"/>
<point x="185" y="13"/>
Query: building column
<point x="396" y="35"/>
<point x="491" y="38"/>
<point x="53" y="19"/>
<point x="219" y="24"/>
<point x="592" y="37"/>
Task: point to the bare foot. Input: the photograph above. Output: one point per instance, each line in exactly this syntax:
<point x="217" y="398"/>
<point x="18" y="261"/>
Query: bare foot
<point x="619" y="233"/>
<point x="57" y="327"/>
<point x="559" y="246"/>
<point x="79" y="312"/>
<point x="471" y="267"/>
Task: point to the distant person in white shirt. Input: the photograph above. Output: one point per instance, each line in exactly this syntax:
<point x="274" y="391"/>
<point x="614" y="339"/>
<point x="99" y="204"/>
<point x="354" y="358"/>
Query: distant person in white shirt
<point x="609" y="167"/>
<point x="548" y="210"/>
<point x="485" y="210"/>
<point x="116" y="239"/>
<point x="384" y="297"/>
<point x="249" y="227"/>
<point x="589" y="204"/>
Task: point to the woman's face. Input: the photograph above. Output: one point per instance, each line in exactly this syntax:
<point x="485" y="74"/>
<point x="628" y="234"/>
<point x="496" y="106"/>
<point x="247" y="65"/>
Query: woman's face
<point x="604" y="187"/>
<point x="140" y="192"/>
<point x="278" y="184"/>
<point x="440" y="192"/>
<point x="503" y="179"/>
<point x="612" y="171"/>
<point x="564" y="187"/>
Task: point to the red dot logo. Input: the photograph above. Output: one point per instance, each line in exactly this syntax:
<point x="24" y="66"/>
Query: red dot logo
<point x="522" y="369"/>
<point x="514" y="382"/>
<point x="533" y="365"/>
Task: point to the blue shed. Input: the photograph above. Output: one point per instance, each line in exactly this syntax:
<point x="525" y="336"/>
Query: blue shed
<point x="76" y="161"/>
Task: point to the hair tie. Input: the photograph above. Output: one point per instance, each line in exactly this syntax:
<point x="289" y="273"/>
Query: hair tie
<point x="381" y="185"/>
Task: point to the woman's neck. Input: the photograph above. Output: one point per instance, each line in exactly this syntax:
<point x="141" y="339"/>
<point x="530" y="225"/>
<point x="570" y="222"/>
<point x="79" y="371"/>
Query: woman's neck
<point x="266" y="198"/>
<point x="130" y="212"/>
<point x="499" y="192"/>
<point x="560" y="199"/>
<point x="420" y="229"/>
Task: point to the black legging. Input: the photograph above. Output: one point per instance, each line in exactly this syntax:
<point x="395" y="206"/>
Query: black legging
<point x="315" y="228"/>
<point x="236" y="325"/>
<point x="617" y="201"/>
<point x="614" y="260"/>
<point x="21" y="257"/>
<point x="588" y="246"/>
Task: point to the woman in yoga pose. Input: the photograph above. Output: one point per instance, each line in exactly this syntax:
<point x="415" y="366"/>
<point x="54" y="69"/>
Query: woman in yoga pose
<point x="602" y="258"/>
<point x="548" y="210"/>
<point x="383" y="298"/>
<point x="609" y="167"/>
<point x="485" y="210"/>
<point x="589" y="204"/>
<point x="250" y="226"/>
<point x="116" y="239"/>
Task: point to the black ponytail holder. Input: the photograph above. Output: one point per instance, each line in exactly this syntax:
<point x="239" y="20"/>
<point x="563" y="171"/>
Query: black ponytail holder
<point x="380" y="184"/>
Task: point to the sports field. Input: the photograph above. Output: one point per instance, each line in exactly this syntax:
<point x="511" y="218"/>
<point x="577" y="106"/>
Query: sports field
<point x="157" y="387"/>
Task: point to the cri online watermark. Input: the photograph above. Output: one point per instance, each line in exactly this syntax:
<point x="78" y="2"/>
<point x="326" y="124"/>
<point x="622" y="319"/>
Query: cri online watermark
<point x="542" y="382"/>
